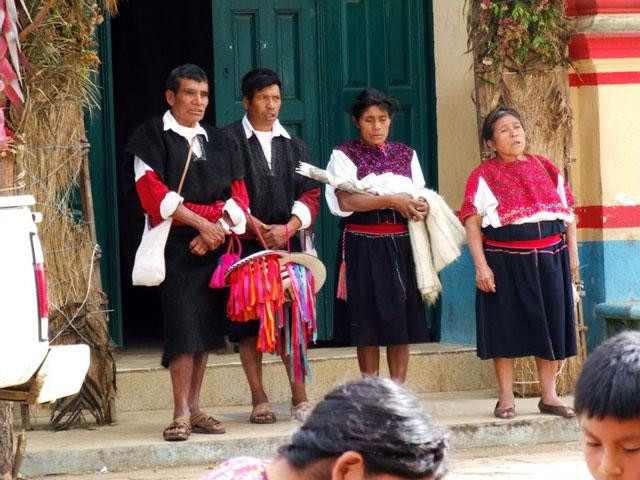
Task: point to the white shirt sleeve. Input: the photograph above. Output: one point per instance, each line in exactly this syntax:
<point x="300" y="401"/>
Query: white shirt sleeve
<point x="236" y="215"/>
<point x="340" y="166"/>
<point x="301" y="211"/>
<point x="171" y="200"/>
<point x="416" y="172"/>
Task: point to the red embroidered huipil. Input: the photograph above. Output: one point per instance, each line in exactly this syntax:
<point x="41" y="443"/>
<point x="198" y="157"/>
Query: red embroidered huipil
<point x="523" y="191"/>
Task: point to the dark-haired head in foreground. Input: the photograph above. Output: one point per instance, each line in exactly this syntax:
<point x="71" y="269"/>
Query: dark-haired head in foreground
<point x="373" y="428"/>
<point x="607" y="400"/>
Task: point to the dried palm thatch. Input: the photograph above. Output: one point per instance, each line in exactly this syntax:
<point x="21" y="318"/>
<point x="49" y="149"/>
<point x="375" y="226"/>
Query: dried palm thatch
<point x="542" y="98"/>
<point x="52" y="161"/>
<point x="514" y="67"/>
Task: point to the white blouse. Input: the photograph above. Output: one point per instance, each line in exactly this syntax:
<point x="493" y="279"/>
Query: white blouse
<point x="385" y="184"/>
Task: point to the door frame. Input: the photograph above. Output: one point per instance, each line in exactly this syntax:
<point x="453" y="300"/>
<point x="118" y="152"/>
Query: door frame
<point x="100" y="129"/>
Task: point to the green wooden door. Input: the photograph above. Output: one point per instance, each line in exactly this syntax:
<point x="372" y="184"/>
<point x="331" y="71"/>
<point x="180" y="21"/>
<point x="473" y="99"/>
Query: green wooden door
<point x="325" y="52"/>
<point x="384" y="44"/>
<point x="379" y="44"/>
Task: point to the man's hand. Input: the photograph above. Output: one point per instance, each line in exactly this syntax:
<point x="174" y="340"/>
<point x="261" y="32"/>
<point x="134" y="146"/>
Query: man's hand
<point x="198" y="246"/>
<point x="213" y="234"/>
<point x="274" y="236"/>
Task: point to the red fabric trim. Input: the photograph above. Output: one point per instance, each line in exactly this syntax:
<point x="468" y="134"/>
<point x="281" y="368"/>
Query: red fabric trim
<point x="539" y="243"/>
<point x="593" y="7"/>
<point x="151" y="192"/>
<point x="379" y="228"/>
<point x="311" y="199"/>
<point x="602" y="216"/>
<point x="211" y="212"/>
<point x="239" y="193"/>
<point x="605" y="78"/>
<point x="605" y="45"/>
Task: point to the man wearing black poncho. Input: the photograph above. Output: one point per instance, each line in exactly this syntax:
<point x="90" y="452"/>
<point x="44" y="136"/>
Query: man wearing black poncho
<point x="281" y="202"/>
<point x="203" y="214"/>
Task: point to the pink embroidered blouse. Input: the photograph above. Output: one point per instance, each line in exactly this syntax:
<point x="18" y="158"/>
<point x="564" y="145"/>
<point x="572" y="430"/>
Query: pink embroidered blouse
<point x="525" y="191"/>
<point x="240" y="468"/>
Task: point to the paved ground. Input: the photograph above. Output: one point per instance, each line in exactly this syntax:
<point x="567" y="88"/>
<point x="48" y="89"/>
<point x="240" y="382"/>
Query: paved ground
<point x="559" y="461"/>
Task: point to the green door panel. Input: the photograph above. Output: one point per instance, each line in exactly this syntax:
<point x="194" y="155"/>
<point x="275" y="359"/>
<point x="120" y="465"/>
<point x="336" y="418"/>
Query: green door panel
<point x="382" y="45"/>
<point x="379" y="44"/>
<point x="325" y="53"/>
<point x="100" y="134"/>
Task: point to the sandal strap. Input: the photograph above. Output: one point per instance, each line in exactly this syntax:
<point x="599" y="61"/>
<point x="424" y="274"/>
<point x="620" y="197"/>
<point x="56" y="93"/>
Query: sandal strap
<point x="179" y="423"/>
<point x="200" y="417"/>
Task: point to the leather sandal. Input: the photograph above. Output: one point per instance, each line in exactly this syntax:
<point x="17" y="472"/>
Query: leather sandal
<point x="558" y="410"/>
<point x="505" y="413"/>
<point x="178" y="430"/>
<point x="301" y="411"/>
<point x="203" y="423"/>
<point x="262" y="414"/>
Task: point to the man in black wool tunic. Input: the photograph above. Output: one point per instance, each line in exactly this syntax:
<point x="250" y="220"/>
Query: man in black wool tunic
<point x="281" y="203"/>
<point x="203" y="214"/>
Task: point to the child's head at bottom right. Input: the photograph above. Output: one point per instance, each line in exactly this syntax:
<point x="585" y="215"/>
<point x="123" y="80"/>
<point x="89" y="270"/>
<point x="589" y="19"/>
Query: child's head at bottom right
<point x="607" y="401"/>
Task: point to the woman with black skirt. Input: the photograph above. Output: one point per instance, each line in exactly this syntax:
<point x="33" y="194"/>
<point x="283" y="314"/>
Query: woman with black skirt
<point x="521" y="232"/>
<point x="377" y="300"/>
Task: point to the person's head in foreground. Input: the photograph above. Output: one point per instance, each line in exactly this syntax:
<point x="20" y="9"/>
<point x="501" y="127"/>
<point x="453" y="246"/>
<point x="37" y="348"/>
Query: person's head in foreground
<point x="368" y="429"/>
<point x="607" y="401"/>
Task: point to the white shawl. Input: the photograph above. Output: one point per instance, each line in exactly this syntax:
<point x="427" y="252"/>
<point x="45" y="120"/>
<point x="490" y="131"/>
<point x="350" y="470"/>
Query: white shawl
<point x="435" y="242"/>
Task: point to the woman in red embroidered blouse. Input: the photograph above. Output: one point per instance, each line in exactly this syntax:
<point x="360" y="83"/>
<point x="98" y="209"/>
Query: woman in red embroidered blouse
<point x="517" y="213"/>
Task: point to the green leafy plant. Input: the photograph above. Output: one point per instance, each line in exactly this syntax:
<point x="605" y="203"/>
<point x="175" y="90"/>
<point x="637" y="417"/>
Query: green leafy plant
<point x="517" y="35"/>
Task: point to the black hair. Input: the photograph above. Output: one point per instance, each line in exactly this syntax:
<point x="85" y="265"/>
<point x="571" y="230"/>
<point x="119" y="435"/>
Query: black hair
<point x="188" y="71"/>
<point x="489" y="124"/>
<point x="256" y="80"/>
<point x="369" y="97"/>
<point x="609" y="383"/>
<point x="376" y="418"/>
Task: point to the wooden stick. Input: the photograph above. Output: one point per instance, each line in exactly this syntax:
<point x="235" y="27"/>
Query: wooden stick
<point x="20" y="451"/>
<point x="42" y="14"/>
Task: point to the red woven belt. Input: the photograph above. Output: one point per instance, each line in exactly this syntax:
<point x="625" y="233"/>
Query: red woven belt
<point x="379" y="228"/>
<point x="538" y="243"/>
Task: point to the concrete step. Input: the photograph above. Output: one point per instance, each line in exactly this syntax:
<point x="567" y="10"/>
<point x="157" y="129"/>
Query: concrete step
<point x="433" y="367"/>
<point x="135" y="440"/>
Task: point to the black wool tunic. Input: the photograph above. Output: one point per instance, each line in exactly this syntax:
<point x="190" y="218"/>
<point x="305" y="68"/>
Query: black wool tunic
<point x="192" y="313"/>
<point x="272" y="192"/>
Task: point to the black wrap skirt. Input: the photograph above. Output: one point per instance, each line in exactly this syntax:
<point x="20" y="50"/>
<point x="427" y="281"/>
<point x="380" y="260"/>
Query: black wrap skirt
<point x="531" y="312"/>
<point x="383" y="305"/>
<point x="192" y="313"/>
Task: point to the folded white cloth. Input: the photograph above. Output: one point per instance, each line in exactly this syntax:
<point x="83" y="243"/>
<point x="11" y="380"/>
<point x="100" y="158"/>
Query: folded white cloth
<point x="435" y="242"/>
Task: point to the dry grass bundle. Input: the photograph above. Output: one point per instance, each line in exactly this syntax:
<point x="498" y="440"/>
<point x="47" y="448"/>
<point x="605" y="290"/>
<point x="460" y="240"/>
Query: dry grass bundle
<point x="542" y="98"/>
<point x="54" y="168"/>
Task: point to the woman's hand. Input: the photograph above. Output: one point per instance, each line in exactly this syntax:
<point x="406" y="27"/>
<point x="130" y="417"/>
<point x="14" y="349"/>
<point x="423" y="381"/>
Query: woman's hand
<point x="212" y="233"/>
<point x="409" y="207"/>
<point x="423" y="206"/>
<point x="484" y="279"/>
<point x="198" y="246"/>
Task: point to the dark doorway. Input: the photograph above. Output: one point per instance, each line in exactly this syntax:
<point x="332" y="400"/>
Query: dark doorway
<point x="149" y="38"/>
